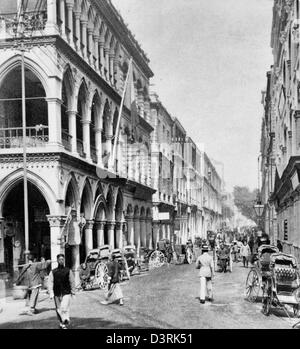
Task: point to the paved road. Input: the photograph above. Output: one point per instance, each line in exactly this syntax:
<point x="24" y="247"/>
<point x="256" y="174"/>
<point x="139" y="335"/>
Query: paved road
<point x="163" y="298"/>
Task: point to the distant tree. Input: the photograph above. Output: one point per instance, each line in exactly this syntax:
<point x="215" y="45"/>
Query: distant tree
<point x="244" y="199"/>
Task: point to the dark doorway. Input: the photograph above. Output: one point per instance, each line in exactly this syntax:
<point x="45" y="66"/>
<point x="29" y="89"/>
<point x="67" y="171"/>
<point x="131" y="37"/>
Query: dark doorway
<point x="39" y="229"/>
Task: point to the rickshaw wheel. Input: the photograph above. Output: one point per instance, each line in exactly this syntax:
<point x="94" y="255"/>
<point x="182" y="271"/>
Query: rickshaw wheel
<point x="296" y="309"/>
<point x="252" y="286"/>
<point x="101" y="275"/>
<point x="267" y="299"/>
<point x="156" y="260"/>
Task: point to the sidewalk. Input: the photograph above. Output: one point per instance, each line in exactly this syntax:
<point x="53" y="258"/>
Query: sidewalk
<point x="11" y="308"/>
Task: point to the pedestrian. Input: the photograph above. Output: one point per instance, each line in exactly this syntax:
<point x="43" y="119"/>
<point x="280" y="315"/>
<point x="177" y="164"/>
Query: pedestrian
<point x="31" y="276"/>
<point x="115" y="293"/>
<point x="206" y="265"/>
<point x="224" y="256"/>
<point x="245" y="253"/>
<point x="235" y="250"/>
<point x="61" y="288"/>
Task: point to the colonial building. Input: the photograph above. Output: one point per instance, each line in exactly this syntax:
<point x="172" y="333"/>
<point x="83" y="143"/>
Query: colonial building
<point x="77" y="54"/>
<point x="162" y="171"/>
<point x="281" y="128"/>
<point x="181" y="233"/>
<point x="212" y="196"/>
<point x="194" y="189"/>
<point x="267" y="163"/>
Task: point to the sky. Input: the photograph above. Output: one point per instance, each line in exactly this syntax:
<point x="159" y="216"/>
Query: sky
<point x="210" y="60"/>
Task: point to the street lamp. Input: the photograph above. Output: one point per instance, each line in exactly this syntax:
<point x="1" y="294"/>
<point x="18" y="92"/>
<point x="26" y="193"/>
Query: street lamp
<point x="259" y="209"/>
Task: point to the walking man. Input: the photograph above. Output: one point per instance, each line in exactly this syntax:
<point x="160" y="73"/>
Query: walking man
<point x="31" y="276"/>
<point x="245" y="253"/>
<point x="206" y="265"/>
<point x="115" y="293"/>
<point x="61" y="288"/>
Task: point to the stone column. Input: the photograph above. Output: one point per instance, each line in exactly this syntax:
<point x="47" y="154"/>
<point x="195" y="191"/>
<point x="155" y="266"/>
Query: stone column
<point x="76" y="263"/>
<point x="96" y="52"/>
<point x="70" y="7"/>
<point x="100" y="233"/>
<point x="168" y="231"/>
<point x="86" y="138"/>
<point x="119" y="235"/>
<point x="106" y="64"/>
<point x="143" y="232"/>
<point x="51" y="25"/>
<point x="155" y="234"/>
<point x="111" y="234"/>
<point x="57" y="241"/>
<point x="1" y="241"/>
<point x="54" y="120"/>
<point x="83" y="37"/>
<point x="77" y="31"/>
<point x="91" y="45"/>
<point x="149" y="238"/>
<point x="98" y="135"/>
<point x="102" y="60"/>
<point x="88" y="235"/>
<point x="137" y="233"/>
<point x="130" y="228"/>
<point x="63" y="19"/>
<point x="72" y="129"/>
<point x="111" y="67"/>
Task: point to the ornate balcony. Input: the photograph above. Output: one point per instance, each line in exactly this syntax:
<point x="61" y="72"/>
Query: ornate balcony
<point x="13" y="137"/>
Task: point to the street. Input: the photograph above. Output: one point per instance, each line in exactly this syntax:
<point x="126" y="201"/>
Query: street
<point x="162" y="298"/>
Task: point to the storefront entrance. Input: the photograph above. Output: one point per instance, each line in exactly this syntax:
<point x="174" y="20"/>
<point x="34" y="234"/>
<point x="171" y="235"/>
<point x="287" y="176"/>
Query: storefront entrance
<point x="39" y="229"/>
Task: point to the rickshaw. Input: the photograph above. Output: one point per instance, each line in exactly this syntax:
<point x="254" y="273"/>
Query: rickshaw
<point x="93" y="272"/>
<point x="282" y="284"/>
<point x="258" y="273"/>
<point x="229" y="262"/>
<point x="160" y="256"/>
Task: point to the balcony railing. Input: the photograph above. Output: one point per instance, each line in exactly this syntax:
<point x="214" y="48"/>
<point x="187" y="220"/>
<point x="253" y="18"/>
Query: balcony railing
<point x="80" y="148"/>
<point x="94" y="154"/>
<point x="13" y="137"/>
<point x="66" y="140"/>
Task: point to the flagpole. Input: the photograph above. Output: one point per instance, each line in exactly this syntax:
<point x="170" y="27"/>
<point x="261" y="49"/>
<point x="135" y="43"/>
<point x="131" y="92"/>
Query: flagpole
<point x="112" y="159"/>
<point x="21" y="29"/>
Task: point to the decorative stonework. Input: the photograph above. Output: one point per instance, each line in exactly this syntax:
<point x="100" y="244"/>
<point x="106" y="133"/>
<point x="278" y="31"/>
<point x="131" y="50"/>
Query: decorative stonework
<point x="56" y="221"/>
<point x="9" y="161"/>
<point x="282" y="37"/>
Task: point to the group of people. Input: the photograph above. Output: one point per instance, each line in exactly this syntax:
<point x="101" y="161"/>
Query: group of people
<point x="61" y="286"/>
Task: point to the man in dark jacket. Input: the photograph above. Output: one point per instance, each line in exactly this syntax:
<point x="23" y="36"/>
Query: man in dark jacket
<point x="31" y="276"/>
<point x="61" y="287"/>
<point x="114" y="289"/>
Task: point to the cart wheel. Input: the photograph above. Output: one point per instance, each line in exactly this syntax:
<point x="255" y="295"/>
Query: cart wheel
<point x="101" y="275"/>
<point x="156" y="260"/>
<point x="252" y="286"/>
<point x="296" y="309"/>
<point x="189" y="256"/>
<point x="267" y="298"/>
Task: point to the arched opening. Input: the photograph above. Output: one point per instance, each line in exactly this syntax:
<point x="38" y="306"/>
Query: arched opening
<point x="94" y="125"/>
<point x="70" y="204"/>
<point x="11" y="133"/>
<point x="100" y="234"/>
<point x="85" y="211"/>
<point x="106" y="134"/>
<point x="14" y="232"/>
<point x="80" y="117"/>
<point x="65" y="106"/>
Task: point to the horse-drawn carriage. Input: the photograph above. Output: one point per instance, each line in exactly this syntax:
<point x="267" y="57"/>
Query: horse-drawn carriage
<point x="282" y="284"/>
<point x="259" y="272"/>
